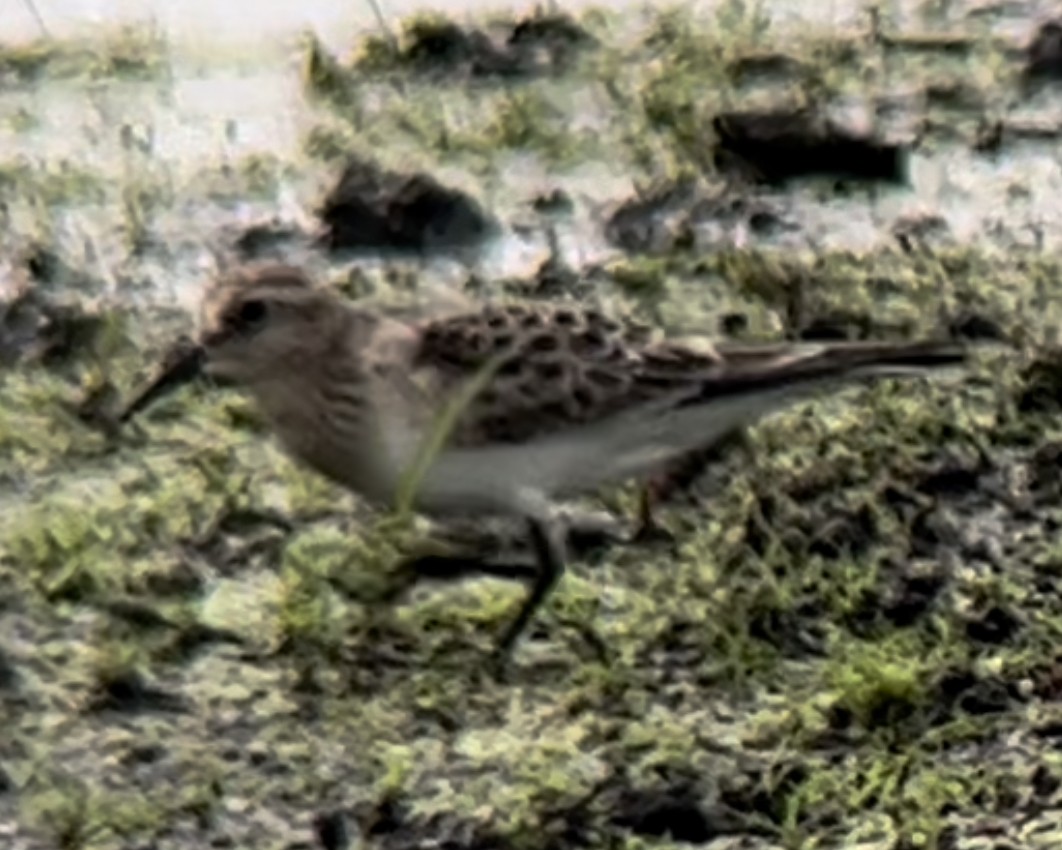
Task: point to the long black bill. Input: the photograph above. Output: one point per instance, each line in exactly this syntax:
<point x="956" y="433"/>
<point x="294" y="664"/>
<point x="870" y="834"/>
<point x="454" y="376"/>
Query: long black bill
<point x="182" y="364"/>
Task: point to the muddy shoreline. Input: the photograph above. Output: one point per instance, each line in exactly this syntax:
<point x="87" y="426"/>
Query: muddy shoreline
<point x="852" y="639"/>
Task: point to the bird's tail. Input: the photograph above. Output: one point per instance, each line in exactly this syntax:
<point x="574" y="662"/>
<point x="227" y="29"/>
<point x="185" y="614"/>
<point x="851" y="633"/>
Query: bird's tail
<point x="752" y="369"/>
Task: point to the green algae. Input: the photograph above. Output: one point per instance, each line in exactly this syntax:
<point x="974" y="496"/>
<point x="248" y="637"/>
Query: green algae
<point x="138" y="53"/>
<point x="757" y="596"/>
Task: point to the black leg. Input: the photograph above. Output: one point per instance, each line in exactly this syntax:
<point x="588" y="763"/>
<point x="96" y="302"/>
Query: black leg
<point x="650" y="531"/>
<point x="647" y="525"/>
<point x="550" y="557"/>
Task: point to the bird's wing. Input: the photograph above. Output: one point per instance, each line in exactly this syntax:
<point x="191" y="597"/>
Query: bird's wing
<point x="538" y="369"/>
<point x="530" y="370"/>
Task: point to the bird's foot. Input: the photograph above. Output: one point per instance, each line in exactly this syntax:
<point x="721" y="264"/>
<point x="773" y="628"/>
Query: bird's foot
<point x="651" y="533"/>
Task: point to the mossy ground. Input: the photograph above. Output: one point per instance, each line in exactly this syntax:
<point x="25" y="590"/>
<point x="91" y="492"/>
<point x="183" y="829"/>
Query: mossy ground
<point x="852" y="642"/>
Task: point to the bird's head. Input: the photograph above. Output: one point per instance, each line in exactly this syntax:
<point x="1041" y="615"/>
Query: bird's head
<point x="266" y="322"/>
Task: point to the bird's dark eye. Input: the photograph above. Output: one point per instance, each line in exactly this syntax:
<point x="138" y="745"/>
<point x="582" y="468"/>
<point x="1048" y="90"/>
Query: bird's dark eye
<point x="251" y="313"/>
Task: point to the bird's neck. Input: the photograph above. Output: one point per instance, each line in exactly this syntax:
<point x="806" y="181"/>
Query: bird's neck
<point x="324" y="422"/>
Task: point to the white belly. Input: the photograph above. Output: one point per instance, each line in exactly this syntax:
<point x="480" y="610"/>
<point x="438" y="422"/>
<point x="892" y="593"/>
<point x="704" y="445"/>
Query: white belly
<point x="519" y="478"/>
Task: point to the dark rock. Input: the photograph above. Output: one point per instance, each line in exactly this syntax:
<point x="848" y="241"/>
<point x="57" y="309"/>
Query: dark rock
<point x="127" y="691"/>
<point x="1044" y="782"/>
<point x="734" y="324"/>
<point x="1043" y="56"/>
<point x="1051" y="728"/>
<point x="547" y="42"/>
<point x="964" y="690"/>
<point x="954" y="476"/>
<point x="996" y="625"/>
<point x="764" y="222"/>
<point x="912" y="598"/>
<point x="776" y="146"/>
<point x="144" y="754"/>
<point x="67" y="331"/>
<point x="266" y="239"/>
<point x="836" y="325"/>
<point x="44" y="264"/>
<point x="540" y="44"/>
<point x="391" y="826"/>
<point x="840" y="718"/>
<point x="676" y="812"/>
<point x="375" y="210"/>
<point x="1045" y="469"/>
<point x="138" y="614"/>
<point x="383" y="818"/>
<point x="34" y="328"/>
<point x="975" y="326"/>
<point x="764" y="793"/>
<point x="443" y="47"/>
<point x="442" y="44"/>
<point x="9" y="677"/>
<point x="555" y="203"/>
<point x="331" y="830"/>
<point x="549" y="29"/>
<point x="933" y="43"/>
<point x="1041" y="384"/>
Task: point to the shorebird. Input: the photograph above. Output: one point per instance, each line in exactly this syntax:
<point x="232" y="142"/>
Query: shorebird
<point x="500" y="409"/>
